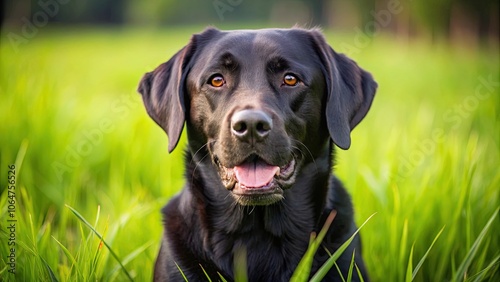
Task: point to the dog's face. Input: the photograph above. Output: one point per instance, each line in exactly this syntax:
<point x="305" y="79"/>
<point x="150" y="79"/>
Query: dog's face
<point x="259" y="103"/>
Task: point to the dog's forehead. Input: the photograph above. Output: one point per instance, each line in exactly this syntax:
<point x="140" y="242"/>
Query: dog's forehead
<point x="260" y="44"/>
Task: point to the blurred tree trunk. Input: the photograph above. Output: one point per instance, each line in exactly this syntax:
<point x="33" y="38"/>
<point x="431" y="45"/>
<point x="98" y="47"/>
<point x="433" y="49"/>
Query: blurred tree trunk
<point x="108" y="12"/>
<point x="367" y="9"/>
<point x="465" y="20"/>
<point x="318" y="8"/>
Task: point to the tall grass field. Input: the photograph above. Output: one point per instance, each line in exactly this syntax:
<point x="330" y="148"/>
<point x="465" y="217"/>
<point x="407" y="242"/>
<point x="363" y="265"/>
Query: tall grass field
<point x="84" y="171"/>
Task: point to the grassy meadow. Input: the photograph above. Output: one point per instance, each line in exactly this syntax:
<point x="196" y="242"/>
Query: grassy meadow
<point x="88" y="160"/>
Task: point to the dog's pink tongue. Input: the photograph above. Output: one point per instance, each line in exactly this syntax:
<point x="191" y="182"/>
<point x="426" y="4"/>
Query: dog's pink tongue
<point x="255" y="174"/>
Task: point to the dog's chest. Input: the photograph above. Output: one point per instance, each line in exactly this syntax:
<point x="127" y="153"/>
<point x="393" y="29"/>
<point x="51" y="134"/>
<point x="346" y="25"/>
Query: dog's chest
<point x="271" y="252"/>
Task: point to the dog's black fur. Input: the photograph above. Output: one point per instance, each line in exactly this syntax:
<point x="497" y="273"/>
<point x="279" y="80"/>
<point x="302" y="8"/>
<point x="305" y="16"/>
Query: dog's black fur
<point x="256" y="102"/>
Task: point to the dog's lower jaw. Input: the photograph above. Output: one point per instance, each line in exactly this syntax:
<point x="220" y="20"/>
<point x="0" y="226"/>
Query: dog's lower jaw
<point x="260" y="199"/>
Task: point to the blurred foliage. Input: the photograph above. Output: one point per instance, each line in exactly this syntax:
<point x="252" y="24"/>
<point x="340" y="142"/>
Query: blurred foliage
<point x="465" y="19"/>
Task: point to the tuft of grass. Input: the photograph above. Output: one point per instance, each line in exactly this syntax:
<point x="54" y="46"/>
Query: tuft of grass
<point x="410" y="274"/>
<point x="102" y="241"/>
<point x="463" y="269"/>
<point x="303" y="270"/>
<point x="318" y="276"/>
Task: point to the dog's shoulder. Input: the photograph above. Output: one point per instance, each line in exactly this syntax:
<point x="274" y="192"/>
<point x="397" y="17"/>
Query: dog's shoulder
<point x="179" y="215"/>
<point x="181" y="243"/>
<point x="339" y="201"/>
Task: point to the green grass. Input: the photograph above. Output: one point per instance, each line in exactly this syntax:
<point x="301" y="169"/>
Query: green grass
<point x="425" y="160"/>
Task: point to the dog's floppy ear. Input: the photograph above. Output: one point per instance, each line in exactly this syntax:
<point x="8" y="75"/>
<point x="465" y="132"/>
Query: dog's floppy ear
<point x="164" y="91"/>
<point x="350" y="91"/>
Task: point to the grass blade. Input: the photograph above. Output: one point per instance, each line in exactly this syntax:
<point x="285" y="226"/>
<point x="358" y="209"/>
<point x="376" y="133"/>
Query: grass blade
<point x="222" y="277"/>
<point x="351" y="267"/>
<point x="403" y="243"/>
<point x="417" y="268"/>
<point x="205" y="272"/>
<point x="182" y="273"/>
<point x="129" y="258"/>
<point x="462" y="269"/>
<point x="493" y="266"/>
<point x="21" y="154"/>
<point x="329" y="263"/>
<point x="52" y="276"/>
<point x="409" y="268"/>
<point x="359" y="274"/>
<point x="240" y="265"/>
<point x="68" y="255"/>
<point x="303" y="269"/>
<point x="339" y="272"/>
<point x="103" y="241"/>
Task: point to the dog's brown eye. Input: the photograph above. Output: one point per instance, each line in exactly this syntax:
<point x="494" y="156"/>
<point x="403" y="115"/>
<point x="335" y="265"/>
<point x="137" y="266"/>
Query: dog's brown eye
<point x="290" y="80"/>
<point x="217" y="81"/>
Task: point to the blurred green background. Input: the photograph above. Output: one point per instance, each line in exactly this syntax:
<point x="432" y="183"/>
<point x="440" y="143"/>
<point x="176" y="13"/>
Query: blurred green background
<point x="426" y="158"/>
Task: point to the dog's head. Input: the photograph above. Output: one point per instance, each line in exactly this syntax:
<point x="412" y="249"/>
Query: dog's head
<point x="260" y="103"/>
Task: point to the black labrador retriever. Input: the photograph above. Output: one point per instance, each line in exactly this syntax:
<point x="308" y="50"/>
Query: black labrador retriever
<point x="262" y="110"/>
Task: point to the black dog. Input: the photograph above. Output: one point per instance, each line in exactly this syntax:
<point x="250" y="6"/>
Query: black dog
<point x="262" y="110"/>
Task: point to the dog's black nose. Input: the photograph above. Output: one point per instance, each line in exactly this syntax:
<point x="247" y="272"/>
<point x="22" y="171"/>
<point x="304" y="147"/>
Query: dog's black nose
<point x="251" y="125"/>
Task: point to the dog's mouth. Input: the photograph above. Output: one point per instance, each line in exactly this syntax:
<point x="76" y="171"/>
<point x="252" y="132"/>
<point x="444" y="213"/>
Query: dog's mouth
<point x="255" y="182"/>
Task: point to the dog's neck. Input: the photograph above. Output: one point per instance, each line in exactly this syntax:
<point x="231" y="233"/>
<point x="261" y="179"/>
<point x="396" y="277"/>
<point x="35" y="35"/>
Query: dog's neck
<point x="227" y="226"/>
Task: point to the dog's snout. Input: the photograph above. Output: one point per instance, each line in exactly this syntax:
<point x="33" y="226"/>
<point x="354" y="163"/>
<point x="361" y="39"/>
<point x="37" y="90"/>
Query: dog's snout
<point x="251" y="125"/>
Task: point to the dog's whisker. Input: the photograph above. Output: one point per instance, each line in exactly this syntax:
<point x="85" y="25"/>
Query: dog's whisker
<point x="251" y="211"/>
<point x="238" y="207"/>
<point x="284" y="203"/>
<point x="199" y="150"/>
<point x="201" y="160"/>
<point x="308" y="151"/>
<point x="197" y="165"/>
<point x="227" y="196"/>
<point x="304" y="145"/>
